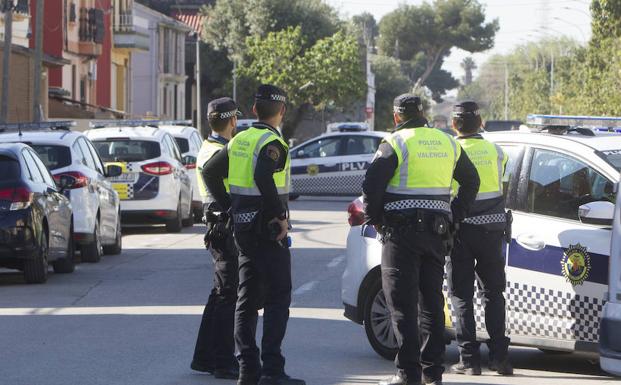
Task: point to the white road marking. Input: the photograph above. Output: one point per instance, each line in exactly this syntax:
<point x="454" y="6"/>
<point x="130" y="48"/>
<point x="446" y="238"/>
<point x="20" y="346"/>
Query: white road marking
<point x="336" y="261"/>
<point x="308" y="286"/>
<point x="311" y="313"/>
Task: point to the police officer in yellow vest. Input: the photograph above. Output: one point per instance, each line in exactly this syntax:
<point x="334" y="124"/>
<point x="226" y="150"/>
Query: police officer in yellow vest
<point x="480" y="250"/>
<point x="407" y="196"/>
<point x="214" y="351"/>
<point x="257" y="165"/>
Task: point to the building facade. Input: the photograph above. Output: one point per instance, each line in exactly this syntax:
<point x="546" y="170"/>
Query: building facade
<point x="158" y="76"/>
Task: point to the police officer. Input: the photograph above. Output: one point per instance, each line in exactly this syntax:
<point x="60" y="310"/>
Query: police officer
<point x="407" y="195"/>
<point x="214" y="352"/>
<point x="480" y="250"/>
<point x="257" y="165"/>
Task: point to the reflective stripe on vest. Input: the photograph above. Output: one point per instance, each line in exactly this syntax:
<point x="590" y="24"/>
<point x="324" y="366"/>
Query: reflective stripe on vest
<point x="489" y="160"/>
<point x="207" y="151"/>
<point x="244" y="150"/>
<point x="426" y="162"/>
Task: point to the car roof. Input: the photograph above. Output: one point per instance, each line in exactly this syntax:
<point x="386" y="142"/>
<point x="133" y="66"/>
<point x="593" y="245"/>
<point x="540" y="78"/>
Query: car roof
<point x="11" y="149"/>
<point x="180" y="131"/>
<point x="599" y="142"/>
<point x="58" y="137"/>
<point x="133" y="133"/>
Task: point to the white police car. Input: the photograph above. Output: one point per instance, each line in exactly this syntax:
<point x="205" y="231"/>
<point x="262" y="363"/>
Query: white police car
<point x="189" y="141"/>
<point x="96" y="206"/>
<point x="561" y="191"/>
<point x="155" y="186"/>
<point x="333" y="164"/>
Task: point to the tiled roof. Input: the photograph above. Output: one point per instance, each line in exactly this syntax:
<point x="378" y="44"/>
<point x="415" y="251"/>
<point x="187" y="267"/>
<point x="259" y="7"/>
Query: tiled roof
<point x="192" y="18"/>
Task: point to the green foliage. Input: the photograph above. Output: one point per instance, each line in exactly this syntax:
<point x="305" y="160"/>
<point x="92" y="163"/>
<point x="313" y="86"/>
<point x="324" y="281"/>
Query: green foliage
<point x="390" y="82"/>
<point x="329" y="71"/>
<point x="606" y="19"/>
<point x="366" y="27"/>
<point x="425" y="34"/>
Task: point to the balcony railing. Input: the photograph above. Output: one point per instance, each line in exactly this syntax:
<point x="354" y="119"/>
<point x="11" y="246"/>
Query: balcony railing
<point x="91" y="25"/>
<point x="123" y="21"/>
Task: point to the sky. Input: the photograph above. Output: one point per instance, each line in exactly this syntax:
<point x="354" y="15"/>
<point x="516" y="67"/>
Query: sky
<point x="520" y="21"/>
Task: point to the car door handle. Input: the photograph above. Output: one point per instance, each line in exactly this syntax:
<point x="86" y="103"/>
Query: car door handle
<point x="530" y="242"/>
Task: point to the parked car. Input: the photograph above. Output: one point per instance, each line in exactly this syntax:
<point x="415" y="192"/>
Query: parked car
<point x="154" y="186"/>
<point x="96" y="205"/>
<point x="561" y="191"/>
<point x="36" y="227"/>
<point x="333" y="164"/>
<point x="189" y="141"/>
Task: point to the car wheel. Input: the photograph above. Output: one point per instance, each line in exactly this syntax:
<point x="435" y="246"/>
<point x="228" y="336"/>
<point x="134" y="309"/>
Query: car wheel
<point x="66" y="265"/>
<point x="117" y="247"/>
<point x="35" y="269"/>
<point x="189" y="221"/>
<point x="174" y="225"/>
<point x="92" y="251"/>
<point x="293" y="197"/>
<point x="377" y="323"/>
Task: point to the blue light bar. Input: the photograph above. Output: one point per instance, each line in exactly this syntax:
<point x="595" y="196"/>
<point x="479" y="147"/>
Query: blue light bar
<point x="174" y="123"/>
<point x="55" y="125"/>
<point x="574" y="121"/>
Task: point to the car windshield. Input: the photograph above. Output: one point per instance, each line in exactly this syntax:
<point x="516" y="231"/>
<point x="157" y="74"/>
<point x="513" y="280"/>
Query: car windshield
<point x="184" y="145"/>
<point x="54" y="157"/>
<point x="614" y="158"/>
<point x="125" y="150"/>
<point x="9" y="169"/>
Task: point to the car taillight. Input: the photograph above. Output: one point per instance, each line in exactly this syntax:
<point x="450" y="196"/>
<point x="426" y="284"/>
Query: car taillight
<point x="79" y="180"/>
<point x="355" y="213"/>
<point x="158" y="168"/>
<point x="20" y="197"/>
<point x="190" y="166"/>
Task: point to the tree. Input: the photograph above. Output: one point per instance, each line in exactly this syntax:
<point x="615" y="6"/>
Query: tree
<point x="328" y="72"/>
<point x="366" y="27"/>
<point x="428" y="32"/>
<point x="468" y="66"/>
<point x="390" y="83"/>
<point x="606" y="22"/>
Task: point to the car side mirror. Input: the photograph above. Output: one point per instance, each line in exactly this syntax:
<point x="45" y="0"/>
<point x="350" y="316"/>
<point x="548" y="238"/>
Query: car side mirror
<point x="597" y="213"/>
<point x="65" y="182"/>
<point x="113" y="170"/>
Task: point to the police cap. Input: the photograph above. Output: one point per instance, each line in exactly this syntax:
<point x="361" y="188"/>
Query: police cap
<point x="465" y="110"/>
<point x="222" y="108"/>
<point x="270" y="93"/>
<point x="408" y="104"/>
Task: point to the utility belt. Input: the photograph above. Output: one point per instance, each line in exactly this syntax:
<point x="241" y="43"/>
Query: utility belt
<point x="252" y="224"/>
<point x="498" y="221"/>
<point x="219" y="228"/>
<point x="398" y="224"/>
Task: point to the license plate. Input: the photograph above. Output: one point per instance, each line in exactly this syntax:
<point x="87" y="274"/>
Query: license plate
<point x="128" y="177"/>
<point x="123" y="190"/>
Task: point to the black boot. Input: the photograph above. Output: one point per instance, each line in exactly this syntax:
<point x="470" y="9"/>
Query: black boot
<point x="281" y="379"/>
<point x="502" y="367"/>
<point x="399" y="379"/>
<point x="466" y="368"/>
<point x="226" y="374"/>
<point x="247" y="381"/>
<point x="432" y="381"/>
<point x="202" y="367"/>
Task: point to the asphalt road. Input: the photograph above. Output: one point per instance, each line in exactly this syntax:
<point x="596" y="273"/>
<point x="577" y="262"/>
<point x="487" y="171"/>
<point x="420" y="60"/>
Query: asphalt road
<point x="132" y="318"/>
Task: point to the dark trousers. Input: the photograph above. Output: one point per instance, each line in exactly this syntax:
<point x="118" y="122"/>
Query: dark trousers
<point x="215" y="345"/>
<point x="264" y="282"/>
<point x="412" y="263"/>
<point x="479" y="253"/>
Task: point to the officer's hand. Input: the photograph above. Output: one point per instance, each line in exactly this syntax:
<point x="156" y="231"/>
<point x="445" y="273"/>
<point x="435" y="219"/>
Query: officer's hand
<point x="284" y="226"/>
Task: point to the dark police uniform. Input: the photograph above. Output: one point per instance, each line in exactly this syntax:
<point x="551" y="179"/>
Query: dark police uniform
<point x="214" y="351"/>
<point x="257" y="165"/>
<point x="407" y="193"/>
<point x="480" y="251"/>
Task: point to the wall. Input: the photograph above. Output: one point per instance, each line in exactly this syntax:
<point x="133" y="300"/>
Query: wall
<point x="104" y="62"/>
<point x="52" y="35"/>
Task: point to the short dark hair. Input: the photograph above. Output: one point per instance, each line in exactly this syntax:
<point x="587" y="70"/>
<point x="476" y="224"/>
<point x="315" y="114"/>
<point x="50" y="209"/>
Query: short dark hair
<point x="267" y="109"/>
<point x="218" y="125"/>
<point x="468" y="124"/>
<point x="405" y="116"/>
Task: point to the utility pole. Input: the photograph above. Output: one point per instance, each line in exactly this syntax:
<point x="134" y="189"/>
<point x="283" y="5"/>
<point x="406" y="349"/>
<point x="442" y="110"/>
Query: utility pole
<point x="199" y="113"/>
<point x="235" y="79"/>
<point x="506" y="92"/>
<point x="552" y="74"/>
<point x="36" y="100"/>
<point x="6" y="59"/>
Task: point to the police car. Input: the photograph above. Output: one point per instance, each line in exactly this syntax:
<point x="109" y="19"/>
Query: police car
<point x="96" y="206"/>
<point x="189" y="141"/>
<point x="334" y="163"/>
<point x="155" y="186"/>
<point x="561" y="189"/>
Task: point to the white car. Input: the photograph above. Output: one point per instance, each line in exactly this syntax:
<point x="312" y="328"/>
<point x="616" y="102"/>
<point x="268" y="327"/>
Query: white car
<point x="561" y="191"/>
<point x="155" y="187"/>
<point x="96" y="205"/>
<point x="189" y="141"/>
<point x="333" y="164"/>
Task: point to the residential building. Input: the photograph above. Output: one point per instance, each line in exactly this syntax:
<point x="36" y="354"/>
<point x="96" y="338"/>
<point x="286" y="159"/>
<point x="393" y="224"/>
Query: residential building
<point x="126" y="40"/>
<point x="158" y="76"/>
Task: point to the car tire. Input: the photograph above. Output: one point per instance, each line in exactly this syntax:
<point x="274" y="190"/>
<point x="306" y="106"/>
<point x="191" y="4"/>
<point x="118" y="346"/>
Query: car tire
<point x="189" y="221"/>
<point x="92" y="251"/>
<point x="117" y="247"/>
<point x="35" y="269"/>
<point x="553" y="352"/>
<point x="293" y="197"/>
<point x="377" y="323"/>
<point x="175" y="224"/>
<point x="66" y="265"/>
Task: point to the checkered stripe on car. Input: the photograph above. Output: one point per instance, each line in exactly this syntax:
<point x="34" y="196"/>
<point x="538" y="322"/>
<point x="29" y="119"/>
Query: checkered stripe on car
<point x="328" y="185"/>
<point x="541" y="312"/>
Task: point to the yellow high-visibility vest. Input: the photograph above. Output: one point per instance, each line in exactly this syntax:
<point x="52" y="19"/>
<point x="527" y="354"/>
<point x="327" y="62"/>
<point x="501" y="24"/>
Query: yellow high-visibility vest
<point x="207" y="151"/>
<point x="489" y="160"/>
